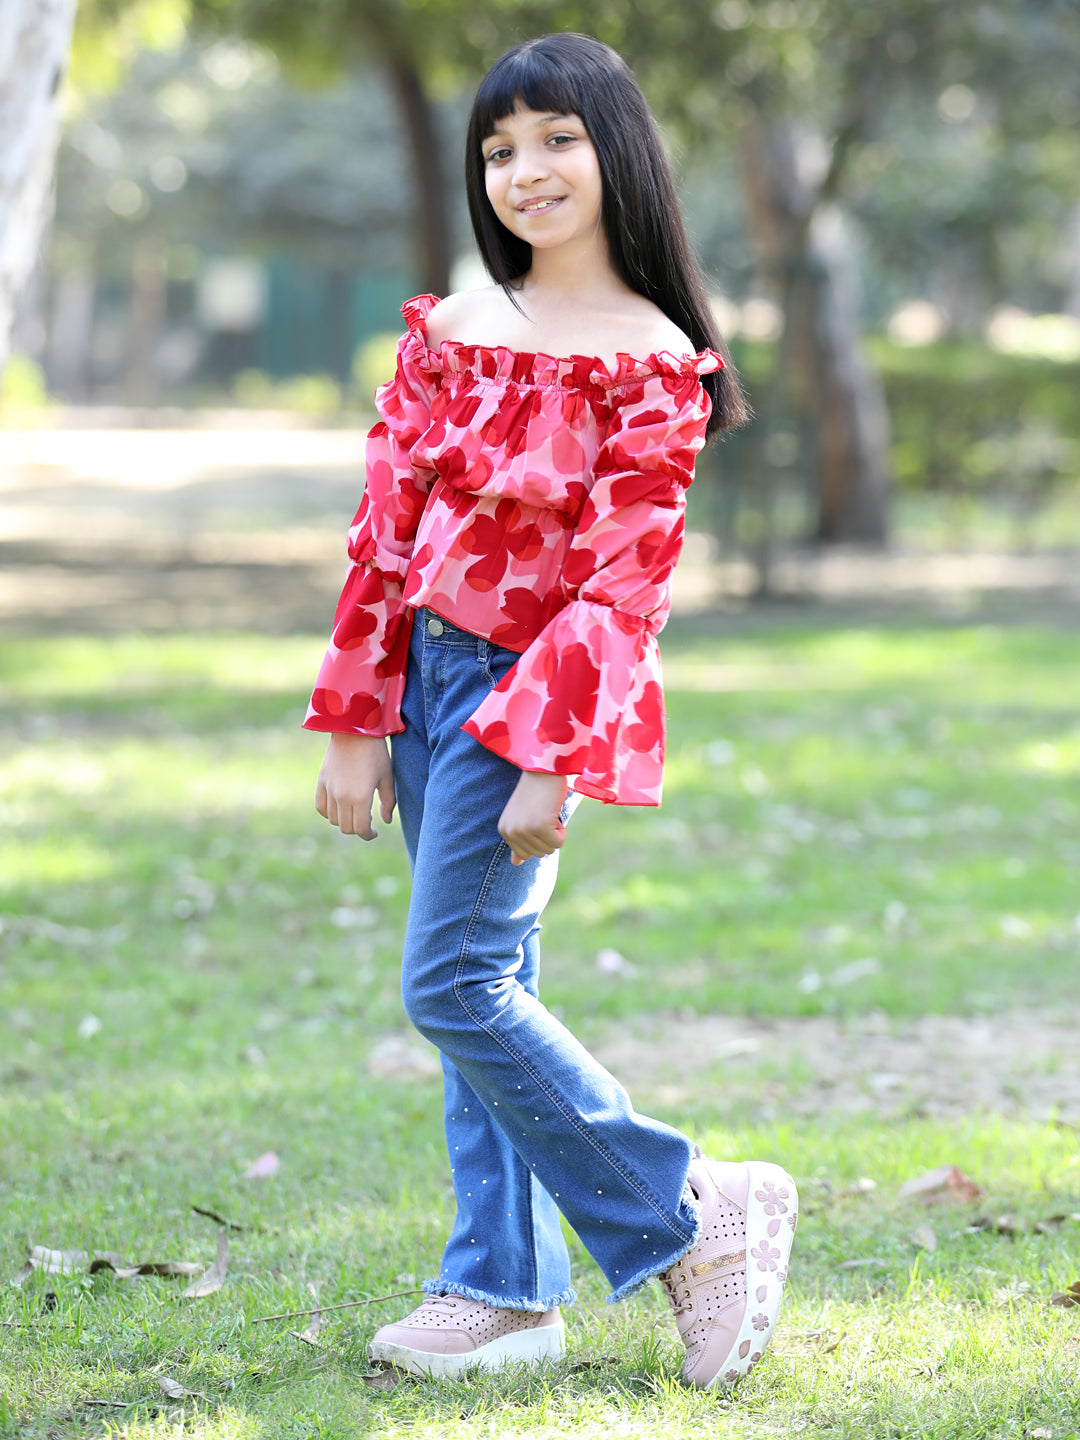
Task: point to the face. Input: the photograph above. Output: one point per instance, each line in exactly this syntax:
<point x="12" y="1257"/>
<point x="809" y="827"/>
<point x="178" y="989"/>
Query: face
<point x="543" y="178"/>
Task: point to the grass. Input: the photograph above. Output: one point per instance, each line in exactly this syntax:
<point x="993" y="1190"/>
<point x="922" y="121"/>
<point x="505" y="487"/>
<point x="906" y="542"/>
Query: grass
<point x="194" y="970"/>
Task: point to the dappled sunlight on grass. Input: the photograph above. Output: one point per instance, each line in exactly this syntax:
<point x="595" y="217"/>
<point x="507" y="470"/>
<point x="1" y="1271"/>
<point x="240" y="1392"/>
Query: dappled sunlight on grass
<point x="867" y="825"/>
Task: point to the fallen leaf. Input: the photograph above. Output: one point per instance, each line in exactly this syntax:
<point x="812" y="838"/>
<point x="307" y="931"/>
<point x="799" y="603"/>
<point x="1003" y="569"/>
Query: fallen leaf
<point x="856" y="970"/>
<point x="173" y="1268"/>
<point x="925" y="1238"/>
<point x="595" y="1364"/>
<point x="310" y="1334"/>
<point x="215" y="1275"/>
<point x="388" y="1379"/>
<point x="175" y="1391"/>
<point x="265" y="1166"/>
<point x="1009" y="1225"/>
<point x="399" y="1058"/>
<point x="863" y="1186"/>
<point x="1068" y="1297"/>
<point x="1015" y="1290"/>
<point x="610" y="962"/>
<point x="1041" y="1432"/>
<point x="111" y="1404"/>
<point x="1049" y="1224"/>
<point x="41" y="1259"/>
<point x="81" y="1262"/>
<point x="948" y="1182"/>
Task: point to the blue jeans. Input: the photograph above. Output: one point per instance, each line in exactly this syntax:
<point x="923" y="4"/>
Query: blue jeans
<point x="534" y="1125"/>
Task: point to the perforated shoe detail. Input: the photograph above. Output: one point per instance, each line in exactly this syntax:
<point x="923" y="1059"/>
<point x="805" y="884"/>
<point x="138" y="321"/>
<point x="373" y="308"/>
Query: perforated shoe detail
<point x="707" y="1287"/>
<point x="480" y="1322"/>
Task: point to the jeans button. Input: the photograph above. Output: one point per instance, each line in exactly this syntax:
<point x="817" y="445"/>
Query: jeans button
<point x="435" y="626"/>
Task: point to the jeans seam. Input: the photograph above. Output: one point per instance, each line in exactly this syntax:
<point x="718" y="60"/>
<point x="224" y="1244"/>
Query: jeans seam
<point x="520" y="1060"/>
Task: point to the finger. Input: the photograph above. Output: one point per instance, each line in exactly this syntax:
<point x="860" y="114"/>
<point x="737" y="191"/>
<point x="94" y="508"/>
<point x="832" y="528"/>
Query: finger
<point x="361" y="821"/>
<point x="320" y="799"/>
<point x="387" y="798"/>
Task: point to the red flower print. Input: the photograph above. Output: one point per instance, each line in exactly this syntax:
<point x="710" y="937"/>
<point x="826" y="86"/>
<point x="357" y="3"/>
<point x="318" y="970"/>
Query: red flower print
<point x="573" y="695"/>
<point x="484" y="501"/>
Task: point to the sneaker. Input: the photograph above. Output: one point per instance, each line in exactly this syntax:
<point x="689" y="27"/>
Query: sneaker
<point x="725" y="1305"/>
<point x="448" y="1334"/>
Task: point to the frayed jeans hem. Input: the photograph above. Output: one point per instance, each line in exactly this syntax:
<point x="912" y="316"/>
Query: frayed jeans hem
<point x="638" y="1282"/>
<point x="499" y="1302"/>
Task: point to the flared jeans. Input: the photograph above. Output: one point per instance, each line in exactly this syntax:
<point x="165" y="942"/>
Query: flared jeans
<point x="534" y="1125"/>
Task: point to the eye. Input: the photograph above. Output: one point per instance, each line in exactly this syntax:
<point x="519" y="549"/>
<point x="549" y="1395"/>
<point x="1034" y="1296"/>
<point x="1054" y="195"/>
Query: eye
<point x="561" y="139"/>
<point x="498" y="152"/>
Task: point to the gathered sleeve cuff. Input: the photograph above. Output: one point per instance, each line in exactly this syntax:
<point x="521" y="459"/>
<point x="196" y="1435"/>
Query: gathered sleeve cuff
<point x="362" y="677"/>
<point x="586" y="698"/>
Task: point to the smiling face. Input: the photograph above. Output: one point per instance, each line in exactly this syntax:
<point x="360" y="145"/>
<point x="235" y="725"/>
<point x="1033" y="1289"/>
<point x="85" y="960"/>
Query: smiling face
<point x="542" y="178"/>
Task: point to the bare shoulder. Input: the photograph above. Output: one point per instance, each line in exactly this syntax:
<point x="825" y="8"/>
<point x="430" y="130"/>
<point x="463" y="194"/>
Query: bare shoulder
<point x="454" y="317"/>
<point x="650" y="331"/>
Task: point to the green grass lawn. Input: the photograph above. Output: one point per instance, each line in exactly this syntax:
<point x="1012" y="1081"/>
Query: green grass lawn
<point x="194" y="970"/>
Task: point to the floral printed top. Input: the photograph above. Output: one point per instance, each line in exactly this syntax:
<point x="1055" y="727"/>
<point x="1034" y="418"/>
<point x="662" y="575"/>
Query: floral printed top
<point x="537" y="502"/>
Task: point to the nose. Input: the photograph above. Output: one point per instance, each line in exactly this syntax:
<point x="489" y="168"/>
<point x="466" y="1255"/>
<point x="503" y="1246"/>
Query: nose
<point x="530" y="165"/>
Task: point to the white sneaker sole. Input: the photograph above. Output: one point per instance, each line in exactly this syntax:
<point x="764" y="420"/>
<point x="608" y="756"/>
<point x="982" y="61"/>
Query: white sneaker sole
<point x="523" y="1347"/>
<point x="768" y="1246"/>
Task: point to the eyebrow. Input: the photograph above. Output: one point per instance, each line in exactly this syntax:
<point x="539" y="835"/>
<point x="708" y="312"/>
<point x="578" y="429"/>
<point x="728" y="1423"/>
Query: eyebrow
<point x="544" y="120"/>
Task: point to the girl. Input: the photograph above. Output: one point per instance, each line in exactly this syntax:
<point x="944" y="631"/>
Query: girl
<point x="512" y="562"/>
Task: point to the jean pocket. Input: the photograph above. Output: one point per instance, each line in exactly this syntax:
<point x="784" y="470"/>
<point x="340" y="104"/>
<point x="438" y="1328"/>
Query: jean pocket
<point x="496" y="663"/>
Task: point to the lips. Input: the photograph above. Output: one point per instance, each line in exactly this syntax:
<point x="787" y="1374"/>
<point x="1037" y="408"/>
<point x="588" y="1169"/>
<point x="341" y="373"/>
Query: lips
<point x="541" y="204"/>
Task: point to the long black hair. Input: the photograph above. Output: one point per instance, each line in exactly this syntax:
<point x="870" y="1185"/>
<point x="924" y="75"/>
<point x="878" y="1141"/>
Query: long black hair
<point x="568" y="74"/>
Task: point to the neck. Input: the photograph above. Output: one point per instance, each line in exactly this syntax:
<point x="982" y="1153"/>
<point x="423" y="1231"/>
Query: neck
<point x="574" y="271"/>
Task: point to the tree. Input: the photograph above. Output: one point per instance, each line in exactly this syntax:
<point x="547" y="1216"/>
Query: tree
<point x="35" y="40"/>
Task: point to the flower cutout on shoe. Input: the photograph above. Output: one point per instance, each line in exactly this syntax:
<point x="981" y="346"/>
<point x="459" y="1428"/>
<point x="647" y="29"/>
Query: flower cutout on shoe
<point x="765" y="1255"/>
<point x="793" y="1219"/>
<point x="731" y="1376"/>
<point x="760" y="1322"/>
<point x="772" y="1198"/>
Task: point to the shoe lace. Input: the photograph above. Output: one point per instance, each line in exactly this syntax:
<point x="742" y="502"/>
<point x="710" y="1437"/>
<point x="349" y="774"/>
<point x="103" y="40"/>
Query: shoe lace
<point x="671" y="1280"/>
<point x="441" y="1302"/>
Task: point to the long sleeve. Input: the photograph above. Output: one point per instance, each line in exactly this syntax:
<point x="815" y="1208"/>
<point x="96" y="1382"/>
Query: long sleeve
<point x="362" y="677"/>
<point x="586" y="698"/>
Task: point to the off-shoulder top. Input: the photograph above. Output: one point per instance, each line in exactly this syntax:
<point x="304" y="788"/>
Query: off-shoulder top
<point x="537" y="502"/>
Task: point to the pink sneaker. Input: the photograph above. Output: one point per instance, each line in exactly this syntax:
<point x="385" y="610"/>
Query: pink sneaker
<point x="744" y="1207"/>
<point x="449" y="1334"/>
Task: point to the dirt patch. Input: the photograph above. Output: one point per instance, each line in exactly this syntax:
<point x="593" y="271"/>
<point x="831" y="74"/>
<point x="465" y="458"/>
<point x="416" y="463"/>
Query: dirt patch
<point x="106" y="530"/>
<point x="1021" y="1063"/>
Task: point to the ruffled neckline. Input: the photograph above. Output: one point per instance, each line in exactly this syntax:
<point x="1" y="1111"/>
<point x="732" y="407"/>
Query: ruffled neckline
<point x="499" y="362"/>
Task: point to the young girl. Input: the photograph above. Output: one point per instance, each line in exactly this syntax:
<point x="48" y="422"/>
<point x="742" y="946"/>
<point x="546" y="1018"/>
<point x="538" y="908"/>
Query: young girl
<point x="512" y="563"/>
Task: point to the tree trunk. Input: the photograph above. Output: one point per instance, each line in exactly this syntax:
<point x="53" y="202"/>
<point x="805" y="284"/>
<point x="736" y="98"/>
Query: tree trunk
<point x="35" y="40"/>
<point x="434" y="241"/>
<point x="820" y="372"/>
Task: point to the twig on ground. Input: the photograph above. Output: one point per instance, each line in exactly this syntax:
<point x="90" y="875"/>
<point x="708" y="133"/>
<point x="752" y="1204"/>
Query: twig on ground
<point x="346" y="1305"/>
<point x="218" y="1219"/>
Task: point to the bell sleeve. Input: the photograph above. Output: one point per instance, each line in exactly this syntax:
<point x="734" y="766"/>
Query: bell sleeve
<point x="586" y="698"/>
<point x="362" y="678"/>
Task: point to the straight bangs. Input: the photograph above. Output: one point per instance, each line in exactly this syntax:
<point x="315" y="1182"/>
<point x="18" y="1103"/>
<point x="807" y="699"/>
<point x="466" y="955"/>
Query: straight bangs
<point x="529" y="79"/>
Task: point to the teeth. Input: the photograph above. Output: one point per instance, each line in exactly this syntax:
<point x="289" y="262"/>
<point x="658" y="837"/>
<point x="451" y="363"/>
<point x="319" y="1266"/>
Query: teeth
<point x="540" y="205"/>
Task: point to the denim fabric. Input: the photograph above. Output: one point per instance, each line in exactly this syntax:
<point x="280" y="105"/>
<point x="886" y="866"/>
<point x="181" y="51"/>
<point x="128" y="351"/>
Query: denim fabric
<point x="534" y="1125"/>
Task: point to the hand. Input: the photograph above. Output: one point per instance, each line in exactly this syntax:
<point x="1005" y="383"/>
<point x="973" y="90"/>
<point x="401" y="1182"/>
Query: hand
<point x="356" y="766"/>
<point x="530" y="822"/>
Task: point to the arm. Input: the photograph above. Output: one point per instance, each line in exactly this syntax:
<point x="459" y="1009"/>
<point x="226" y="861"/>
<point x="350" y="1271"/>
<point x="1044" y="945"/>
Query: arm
<point x="530" y="822"/>
<point x="355" y="768"/>
<point x="586" y="698"/>
<point x="362" y="677"/>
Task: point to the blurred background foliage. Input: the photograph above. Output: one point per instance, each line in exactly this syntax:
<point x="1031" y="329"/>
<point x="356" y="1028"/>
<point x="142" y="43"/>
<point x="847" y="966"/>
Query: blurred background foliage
<point x="886" y="199"/>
